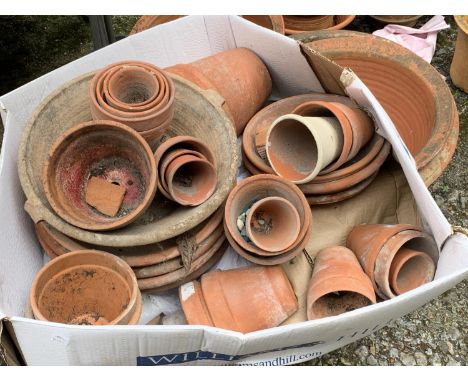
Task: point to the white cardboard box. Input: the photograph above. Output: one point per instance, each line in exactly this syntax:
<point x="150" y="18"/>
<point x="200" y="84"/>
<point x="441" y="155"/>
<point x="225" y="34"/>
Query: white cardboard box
<point x="185" y="40"/>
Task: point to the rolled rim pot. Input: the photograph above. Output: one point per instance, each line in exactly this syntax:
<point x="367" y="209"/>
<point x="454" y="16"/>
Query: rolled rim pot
<point x="254" y="188"/>
<point x="410" y="90"/>
<point x="162" y="220"/>
<point x="86" y="287"/>
<point x="340" y="22"/>
<point x="107" y="150"/>
<point x="266" y="116"/>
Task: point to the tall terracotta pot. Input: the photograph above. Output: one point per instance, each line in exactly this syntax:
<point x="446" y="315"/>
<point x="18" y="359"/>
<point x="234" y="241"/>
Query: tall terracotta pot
<point x="338" y="284"/>
<point x="458" y="69"/>
<point x="238" y="75"/>
<point x="86" y="288"/>
<point x="243" y="299"/>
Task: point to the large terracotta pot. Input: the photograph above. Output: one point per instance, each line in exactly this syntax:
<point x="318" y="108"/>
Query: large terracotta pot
<point x="110" y="153"/>
<point x="458" y="70"/>
<point x="410" y="90"/>
<point x="238" y="75"/>
<point x="377" y="245"/>
<point x="243" y="299"/>
<point x="86" y="288"/>
<point x="338" y="284"/>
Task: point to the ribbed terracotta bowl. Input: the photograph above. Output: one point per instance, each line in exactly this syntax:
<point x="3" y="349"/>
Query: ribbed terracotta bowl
<point x="410" y="90"/>
<point x="197" y="113"/>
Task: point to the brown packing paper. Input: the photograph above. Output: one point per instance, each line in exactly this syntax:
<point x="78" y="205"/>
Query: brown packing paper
<point x="388" y="200"/>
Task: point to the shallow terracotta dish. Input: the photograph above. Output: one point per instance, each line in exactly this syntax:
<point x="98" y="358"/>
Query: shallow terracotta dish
<point x="197" y="113"/>
<point x="410" y="90"/>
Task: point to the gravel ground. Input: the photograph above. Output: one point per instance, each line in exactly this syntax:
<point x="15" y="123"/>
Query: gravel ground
<point x="436" y="334"/>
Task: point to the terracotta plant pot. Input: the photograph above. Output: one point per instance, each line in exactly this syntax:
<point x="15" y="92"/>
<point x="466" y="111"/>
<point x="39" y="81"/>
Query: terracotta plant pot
<point x="86" y="288"/>
<point x="238" y="75"/>
<point x="243" y="299"/>
<point x="190" y="180"/>
<point x="273" y="224"/>
<point x="376" y="246"/>
<point x="301" y="24"/>
<point x="338" y="284"/>
<point x="251" y="190"/>
<point x="408" y="21"/>
<point x="410" y="90"/>
<point x="410" y="269"/>
<point x="273" y="22"/>
<point x="106" y="151"/>
<point x="135" y="93"/>
<point x="298" y="148"/>
<point x="458" y="71"/>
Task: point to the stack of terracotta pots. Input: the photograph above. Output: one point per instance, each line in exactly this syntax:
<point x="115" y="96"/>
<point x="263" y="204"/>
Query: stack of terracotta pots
<point x="327" y="146"/>
<point x="238" y="75"/>
<point x="301" y="24"/>
<point x="338" y="284"/>
<point x="135" y="93"/>
<point x="397" y="258"/>
<point x="65" y="290"/>
<point x="243" y="299"/>
<point x="186" y="169"/>
<point x="267" y="220"/>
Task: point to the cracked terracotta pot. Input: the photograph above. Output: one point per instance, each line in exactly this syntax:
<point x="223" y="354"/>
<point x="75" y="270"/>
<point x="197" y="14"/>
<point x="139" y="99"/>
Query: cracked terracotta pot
<point x="86" y="288"/>
<point x="273" y="224"/>
<point x="298" y="148"/>
<point x="104" y="150"/>
<point x="238" y="75"/>
<point x="376" y="245"/>
<point x="135" y="93"/>
<point x="301" y="24"/>
<point x="458" y="71"/>
<point x="410" y="90"/>
<point x="243" y="299"/>
<point x="266" y="116"/>
<point x="249" y="191"/>
<point x="190" y="180"/>
<point x="338" y="284"/>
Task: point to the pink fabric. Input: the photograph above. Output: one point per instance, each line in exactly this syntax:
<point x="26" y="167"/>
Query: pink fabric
<point x="421" y="41"/>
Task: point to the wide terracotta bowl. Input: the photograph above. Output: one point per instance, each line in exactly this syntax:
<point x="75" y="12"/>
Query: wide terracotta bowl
<point x="197" y="113"/>
<point x="411" y="91"/>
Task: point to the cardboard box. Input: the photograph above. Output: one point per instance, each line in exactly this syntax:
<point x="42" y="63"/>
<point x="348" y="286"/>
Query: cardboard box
<point x="185" y="40"/>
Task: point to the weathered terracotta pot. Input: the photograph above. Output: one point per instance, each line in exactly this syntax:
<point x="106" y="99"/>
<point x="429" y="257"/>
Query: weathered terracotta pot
<point x="86" y="288"/>
<point x="146" y="22"/>
<point x="410" y="90"/>
<point x="190" y="180"/>
<point x="338" y="284"/>
<point x="298" y="148"/>
<point x="458" y="71"/>
<point x="273" y="224"/>
<point x="408" y="21"/>
<point x="144" y="109"/>
<point x="238" y="75"/>
<point x="410" y="269"/>
<point x="376" y="245"/>
<point x="273" y="22"/>
<point x="266" y="116"/>
<point x="249" y="191"/>
<point x="108" y="151"/>
<point x="243" y="299"/>
<point x="301" y="24"/>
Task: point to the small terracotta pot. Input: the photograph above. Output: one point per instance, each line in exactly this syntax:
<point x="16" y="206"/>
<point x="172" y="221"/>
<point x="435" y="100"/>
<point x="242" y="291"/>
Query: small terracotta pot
<point x="458" y="71"/>
<point x="376" y="245"/>
<point x="86" y="288"/>
<point x="255" y="188"/>
<point x="238" y="75"/>
<point x="273" y="22"/>
<point x="338" y="284"/>
<point x="273" y="224"/>
<point x="243" y="299"/>
<point x="190" y="180"/>
<point x="301" y="24"/>
<point x="410" y="269"/>
<point x="99" y="149"/>
<point x="298" y="148"/>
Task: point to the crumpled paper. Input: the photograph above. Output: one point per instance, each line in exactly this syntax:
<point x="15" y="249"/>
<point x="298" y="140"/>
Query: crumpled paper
<point x="421" y="41"/>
